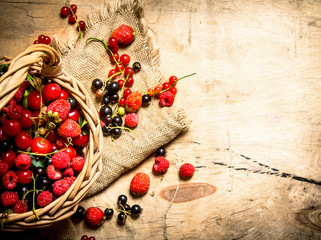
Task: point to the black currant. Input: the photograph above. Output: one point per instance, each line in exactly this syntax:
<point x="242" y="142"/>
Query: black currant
<point x="127" y="207"/>
<point x="43" y="183"/>
<point x="160" y="152"/>
<point x="108" y="120"/>
<point x="48" y="162"/>
<point x="72" y="101"/>
<point x="113" y="87"/>
<point x="106" y="130"/>
<point x="79" y="214"/>
<point x="114" y="97"/>
<point x="109" y="212"/>
<point x="22" y="190"/>
<point x="105" y="100"/>
<point x="121" y="218"/>
<point x="96" y="84"/>
<point x="117" y="121"/>
<point x="122" y="199"/>
<point x="136" y="66"/>
<point x="39" y="171"/>
<point x="4" y="145"/>
<point x="105" y="110"/>
<point x="116" y="132"/>
<point x="135" y="210"/>
<point x="146" y="99"/>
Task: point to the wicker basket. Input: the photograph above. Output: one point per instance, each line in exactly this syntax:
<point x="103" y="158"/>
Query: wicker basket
<point x="46" y="61"/>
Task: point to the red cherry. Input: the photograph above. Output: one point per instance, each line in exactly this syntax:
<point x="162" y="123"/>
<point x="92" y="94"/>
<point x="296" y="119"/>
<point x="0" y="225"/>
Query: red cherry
<point x="38" y="118"/>
<point x="111" y="73"/>
<point x="122" y="102"/>
<point x="172" y="80"/>
<point x="2" y="134"/>
<point x="34" y="101"/>
<point x="40" y="145"/>
<point x="124" y="59"/>
<point x="72" y="19"/>
<point x="127" y="91"/>
<point x="36" y="42"/>
<point x="54" y="147"/>
<point x="24" y="176"/>
<point x="129" y="82"/>
<point x="121" y="83"/>
<point x="51" y="91"/>
<point x="166" y="85"/>
<point x="11" y="127"/>
<point x="82" y="25"/>
<point x="119" y="68"/>
<point x="47" y="40"/>
<point x="52" y="136"/>
<point x="81" y="140"/>
<point x="64" y="94"/>
<point x="113" y="48"/>
<point x="71" y="152"/>
<point x="116" y="55"/>
<point x="128" y="71"/>
<point x="65" y="11"/>
<point x="23" y="140"/>
<point x="25" y="118"/>
<point x="173" y="90"/>
<point x="74" y="114"/>
<point x="8" y="157"/>
<point x="73" y="8"/>
<point x="41" y="38"/>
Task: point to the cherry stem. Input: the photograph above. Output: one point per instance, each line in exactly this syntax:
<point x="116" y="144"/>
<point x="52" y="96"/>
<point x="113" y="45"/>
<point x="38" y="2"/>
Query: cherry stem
<point x="78" y="26"/>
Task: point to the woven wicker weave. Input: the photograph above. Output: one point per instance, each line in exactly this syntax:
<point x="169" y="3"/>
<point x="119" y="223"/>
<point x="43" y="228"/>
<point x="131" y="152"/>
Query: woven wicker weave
<point x="45" y="60"/>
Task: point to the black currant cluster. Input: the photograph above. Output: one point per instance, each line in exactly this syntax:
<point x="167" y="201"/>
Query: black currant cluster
<point x="125" y="210"/>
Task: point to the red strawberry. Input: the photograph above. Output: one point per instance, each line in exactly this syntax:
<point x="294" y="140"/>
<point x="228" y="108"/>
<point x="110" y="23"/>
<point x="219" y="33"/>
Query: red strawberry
<point x="58" y="110"/>
<point x="94" y="216"/>
<point x="133" y="102"/>
<point x="139" y="185"/>
<point x="69" y="128"/>
<point x="124" y="34"/>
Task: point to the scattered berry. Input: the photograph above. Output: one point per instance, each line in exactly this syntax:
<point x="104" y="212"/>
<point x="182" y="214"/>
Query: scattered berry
<point x="72" y="19"/>
<point x="166" y="99"/>
<point x="94" y="216"/>
<point x="139" y="185"/>
<point x="131" y="120"/>
<point x="65" y="11"/>
<point x="109" y="212"/>
<point x="186" y="170"/>
<point x="135" y="210"/>
<point x="79" y="215"/>
<point x="122" y="199"/>
<point x="136" y="67"/>
<point x="146" y="100"/>
<point x="124" y="59"/>
<point x="160" y="152"/>
<point x="133" y="102"/>
<point x="172" y="80"/>
<point x="124" y="34"/>
<point x="161" y="164"/>
<point x="121" y="218"/>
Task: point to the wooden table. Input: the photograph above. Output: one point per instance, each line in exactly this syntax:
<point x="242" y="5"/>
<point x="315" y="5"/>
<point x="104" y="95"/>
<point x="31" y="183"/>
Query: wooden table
<point x="255" y="111"/>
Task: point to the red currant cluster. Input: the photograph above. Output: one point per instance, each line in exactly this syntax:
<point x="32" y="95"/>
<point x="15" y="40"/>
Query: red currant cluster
<point x="42" y="135"/>
<point x="70" y="12"/>
<point x="42" y="39"/>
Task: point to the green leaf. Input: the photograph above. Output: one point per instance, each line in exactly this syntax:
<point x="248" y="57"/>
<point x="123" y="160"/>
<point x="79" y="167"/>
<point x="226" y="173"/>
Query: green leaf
<point x="36" y="162"/>
<point x="84" y="131"/>
<point x="82" y="121"/>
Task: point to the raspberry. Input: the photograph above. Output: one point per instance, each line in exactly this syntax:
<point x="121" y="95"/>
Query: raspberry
<point x="22" y="88"/>
<point x="131" y="120"/>
<point x="102" y="124"/>
<point x="133" y="102"/>
<point x="139" y="185"/>
<point x="60" y="187"/>
<point x="161" y="164"/>
<point x="9" y="180"/>
<point x="69" y="172"/>
<point x="53" y="173"/>
<point x="20" y="207"/>
<point x="23" y="161"/>
<point x="13" y="110"/>
<point x="70" y="180"/>
<point x="9" y="199"/>
<point x="166" y="99"/>
<point x="94" y="216"/>
<point x="77" y="163"/>
<point x="4" y="167"/>
<point x="44" y="198"/>
<point x="60" y="160"/>
<point x="186" y="170"/>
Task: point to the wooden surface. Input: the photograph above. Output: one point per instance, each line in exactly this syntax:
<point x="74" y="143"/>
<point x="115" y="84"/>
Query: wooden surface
<point x="255" y="111"/>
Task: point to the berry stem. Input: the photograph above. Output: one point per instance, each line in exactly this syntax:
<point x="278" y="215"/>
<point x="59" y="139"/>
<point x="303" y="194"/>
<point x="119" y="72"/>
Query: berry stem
<point x="123" y="128"/>
<point x="78" y="26"/>
<point x="176" y="82"/>
<point x="34" y="197"/>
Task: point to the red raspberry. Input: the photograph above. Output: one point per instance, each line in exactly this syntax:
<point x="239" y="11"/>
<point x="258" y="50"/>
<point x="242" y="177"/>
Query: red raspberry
<point x="161" y="164"/>
<point x="60" y="187"/>
<point x="133" y="102"/>
<point x="94" y="216"/>
<point x="20" y="207"/>
<point x="139" y="185"/>
<point x="70" y="180"/>
<point x="4" y="167"/>
<point x="53" y="173"/>
<point x="8" y="198"/>
<point x="23" y="161"/>
<point x="186" y="170"/>
<point x="69" y="172"/>
<point x="77" y="163"/>
<point x="60" y="160"/>
<point x="44" y="198"/>
<point x="166" y="99"/>
<point x="13" y="110"/>
<point x="131" y="120"/>
<point x="9" y="180"/>
<point x="22" y="88"/>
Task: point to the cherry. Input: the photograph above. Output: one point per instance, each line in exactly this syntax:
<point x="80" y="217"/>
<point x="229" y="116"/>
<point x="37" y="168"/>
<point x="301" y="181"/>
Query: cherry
<point x="70" y="151"/>
<point x="72" y="19"/>
<point x="172" y="80"/>
<point x="111" y="73"/>
<point x="126" y="92"/>
<point x="173" y="90"/>
<point x="24" y="176"/>
<point x="81" y="140"/>
<point x="121" y="83"/>
<point x="64" y="94"/>
<point x="116" y="55"/>
<point x="34" y="100"/>
<point x="65" y="11"/>
<point x="166" y="85"/>
<point x="11" y="127"/>
<point x="41" y="38"/>
<point x="23" y="140"/>
<point x="124" y="59"/>
<point x="51" y="91"/>
<point x="8" y="157"/>
<point x="119" y="67"/>
<point x="25" y="118"/>
<point x="73" y="8"/>
<point x="128" y="71"/>
<point x="36" y="42"/>
<point x="2" y="134"/>
<point x="52" y="136"/>
<point x="74" y="114"/>
<point x="47" y="40"/>
<point x="54" y="147"/>
<point x="40" y="145"/>
<point x="112" y="42"/>
<point x="82" y="25"/>
<point x="129" y="82"/>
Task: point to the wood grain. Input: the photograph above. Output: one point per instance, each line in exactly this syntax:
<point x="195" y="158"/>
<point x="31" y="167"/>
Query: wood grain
<point x="255" y="110"/>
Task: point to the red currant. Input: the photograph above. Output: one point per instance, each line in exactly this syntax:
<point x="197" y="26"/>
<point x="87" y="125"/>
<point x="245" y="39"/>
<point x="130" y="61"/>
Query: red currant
<point x="25" y="118"/>
<point x="24" y="176"/>
<point x="172" y="80"/>
<point x="116" y="55"/>
<point x="119" y="67"/>
<point x="111" y="73"/>
<point x="129" y="82"/>
<point x="82" y="25"/>
<point x="173" y="90"/>
<point x="36" y="42"/>
<point x="34" y="100"/>
<point x="65" y="11"/>
<point x="127" y="91"/>
<point x="158" y="89"/>
<point x="47" y="40"/>
<point x="166" y="86"/>
<point x="128" y="71"/>
<point x="40" y="145"/>
<point x="23" y="140"/>
<point x="41" y="38"/>
<point x="124" y="59"/>
<point x="150" y="92"/>
<point x="11" y="127"/>
<point x="64" y="94"/>
<point x="81" y="140"/>
<point x="72" y="19"/>
<point x="71" y="152"/>
<point x="121" y="83"/>
<point x="74" y="114"/>
<point x="73" y="8"/>
<point x="122" y="102"/>
<point x="112" y="42"/>
<point x="113" y="48"/>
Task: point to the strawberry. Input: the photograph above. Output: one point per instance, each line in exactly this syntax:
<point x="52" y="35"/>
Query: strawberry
<point x="69" y="128"/>
<point x="139" y="185"/>
<point x="133" y="102"/>
<point x="94" y="216"/>
<point x="58" y="110"/>
<point x="124" y="34"/>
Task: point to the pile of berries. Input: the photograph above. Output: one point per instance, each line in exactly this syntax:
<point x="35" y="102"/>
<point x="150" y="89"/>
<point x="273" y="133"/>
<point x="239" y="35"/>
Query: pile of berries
<point x="42" y="135"/>
<point x="42" y="39"/>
